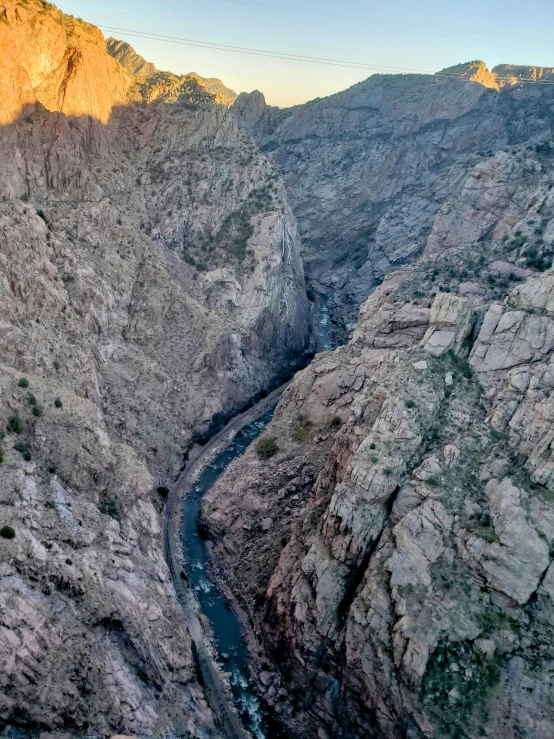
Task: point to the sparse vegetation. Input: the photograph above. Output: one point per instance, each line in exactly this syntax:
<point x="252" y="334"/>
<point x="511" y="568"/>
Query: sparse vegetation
<point x="15" y="425"/>
<point x="7" y="532"/>
<point x="267" y="447"/>
<point x="303" y="428"/>
<point x="109" y="507"/>
<point x="24" y="450"/>
<point x="23" y="382"/>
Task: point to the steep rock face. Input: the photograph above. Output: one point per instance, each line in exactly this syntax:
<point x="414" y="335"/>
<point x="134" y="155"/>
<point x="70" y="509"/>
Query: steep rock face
<point x="414" y="592"/>
<point x="146" y="74"/>
<point x="369" y="169"/>
<point x="150" y="282"/>
<point x="59" y="61"/>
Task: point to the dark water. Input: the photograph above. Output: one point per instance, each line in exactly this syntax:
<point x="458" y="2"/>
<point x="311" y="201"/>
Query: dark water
<point x="226" y="628"/>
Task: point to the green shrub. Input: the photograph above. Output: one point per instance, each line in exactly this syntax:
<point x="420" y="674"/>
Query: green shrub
<point x="23" y="449"/>
<point x="58" y="403"/>
<point x="23" y="382"/>
<point x="37" y="411"/>
<point x="14" y="424"/>
<point x="56" y="365"/>
<point x="68" y="561"/>
<point x="336" y="421"/>
<point x="109" y="507"/>
<point x="410" y="403"/>
<point x="267" y="447"/>
<point x="372" y="445"/>
<point x="31" y="399"/>
<point x="7" y="532"/>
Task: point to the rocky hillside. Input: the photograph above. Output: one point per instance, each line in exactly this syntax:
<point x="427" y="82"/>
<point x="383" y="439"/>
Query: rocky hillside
<point x="150" y="284"/>
<point x="396" y="550"/>
<point x="148" y="77"/>
<point x="368" y="169"/>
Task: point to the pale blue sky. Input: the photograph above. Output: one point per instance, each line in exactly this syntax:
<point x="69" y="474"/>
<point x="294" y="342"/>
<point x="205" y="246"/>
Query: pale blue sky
<point x="426" y="35"/>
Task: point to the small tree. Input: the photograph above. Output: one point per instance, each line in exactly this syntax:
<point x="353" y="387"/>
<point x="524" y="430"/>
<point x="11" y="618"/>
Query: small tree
<point x="7" y="532"/>
<point x="267" y="447"/>
<point x="14" y="424"/>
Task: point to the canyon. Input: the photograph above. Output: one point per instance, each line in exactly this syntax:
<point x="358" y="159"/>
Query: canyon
<point x="170" y="252"/>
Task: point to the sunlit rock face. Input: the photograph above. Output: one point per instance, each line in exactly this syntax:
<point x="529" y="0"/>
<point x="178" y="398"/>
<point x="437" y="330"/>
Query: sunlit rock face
<point x="57" y="60"/>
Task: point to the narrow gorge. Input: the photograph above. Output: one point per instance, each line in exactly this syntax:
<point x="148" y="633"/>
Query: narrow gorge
<point x="275" y="398"/>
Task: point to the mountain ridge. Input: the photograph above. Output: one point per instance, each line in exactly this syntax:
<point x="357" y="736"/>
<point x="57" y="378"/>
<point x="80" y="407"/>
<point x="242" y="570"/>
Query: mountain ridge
<point x="145" y="72"/>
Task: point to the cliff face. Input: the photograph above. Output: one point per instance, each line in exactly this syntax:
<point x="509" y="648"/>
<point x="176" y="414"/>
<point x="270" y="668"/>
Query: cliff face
<point x="368" y="169"/>
<point x="150" y="281"/>
<point x="411" y="498"/>
<point x="57" y="60"/>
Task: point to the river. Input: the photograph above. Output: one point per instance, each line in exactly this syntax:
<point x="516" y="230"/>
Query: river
<point x="226" y="630"/>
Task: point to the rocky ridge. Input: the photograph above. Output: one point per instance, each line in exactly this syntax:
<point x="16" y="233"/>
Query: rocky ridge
<point x="153" y="84"/>
<point x="151" y="284"/>
<point x="411" y="496"/>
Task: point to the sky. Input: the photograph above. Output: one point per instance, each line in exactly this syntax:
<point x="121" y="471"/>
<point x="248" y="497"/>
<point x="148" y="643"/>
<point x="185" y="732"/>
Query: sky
<point x="420" y="36"/>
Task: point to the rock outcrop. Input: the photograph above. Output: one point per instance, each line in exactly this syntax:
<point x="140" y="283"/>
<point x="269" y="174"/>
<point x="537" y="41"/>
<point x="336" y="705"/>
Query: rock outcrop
<point x="150" y="285"/>
<point x="413" y="590"/>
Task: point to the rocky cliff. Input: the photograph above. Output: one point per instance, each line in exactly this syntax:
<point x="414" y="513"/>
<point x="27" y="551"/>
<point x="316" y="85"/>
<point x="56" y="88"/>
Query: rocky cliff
<point x="403" y="526"/>
<point x="368" y="169"/>
<point x="150" y="284"/>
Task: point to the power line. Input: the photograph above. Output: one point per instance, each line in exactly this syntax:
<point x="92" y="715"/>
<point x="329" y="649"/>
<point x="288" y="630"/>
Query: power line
<point x="373" y="21"/>
<point x="307" y="59"/>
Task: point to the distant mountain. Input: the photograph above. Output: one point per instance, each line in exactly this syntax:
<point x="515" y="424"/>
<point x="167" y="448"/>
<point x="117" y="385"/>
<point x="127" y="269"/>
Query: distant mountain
<point x="147" y="75"/>
<point x="367" y="169"/>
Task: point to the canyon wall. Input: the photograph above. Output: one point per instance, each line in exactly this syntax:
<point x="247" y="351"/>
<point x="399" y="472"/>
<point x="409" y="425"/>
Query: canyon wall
<point x="368" y="169"/>
<point x="396" y="550"/>
<point x="150" y="283"/>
